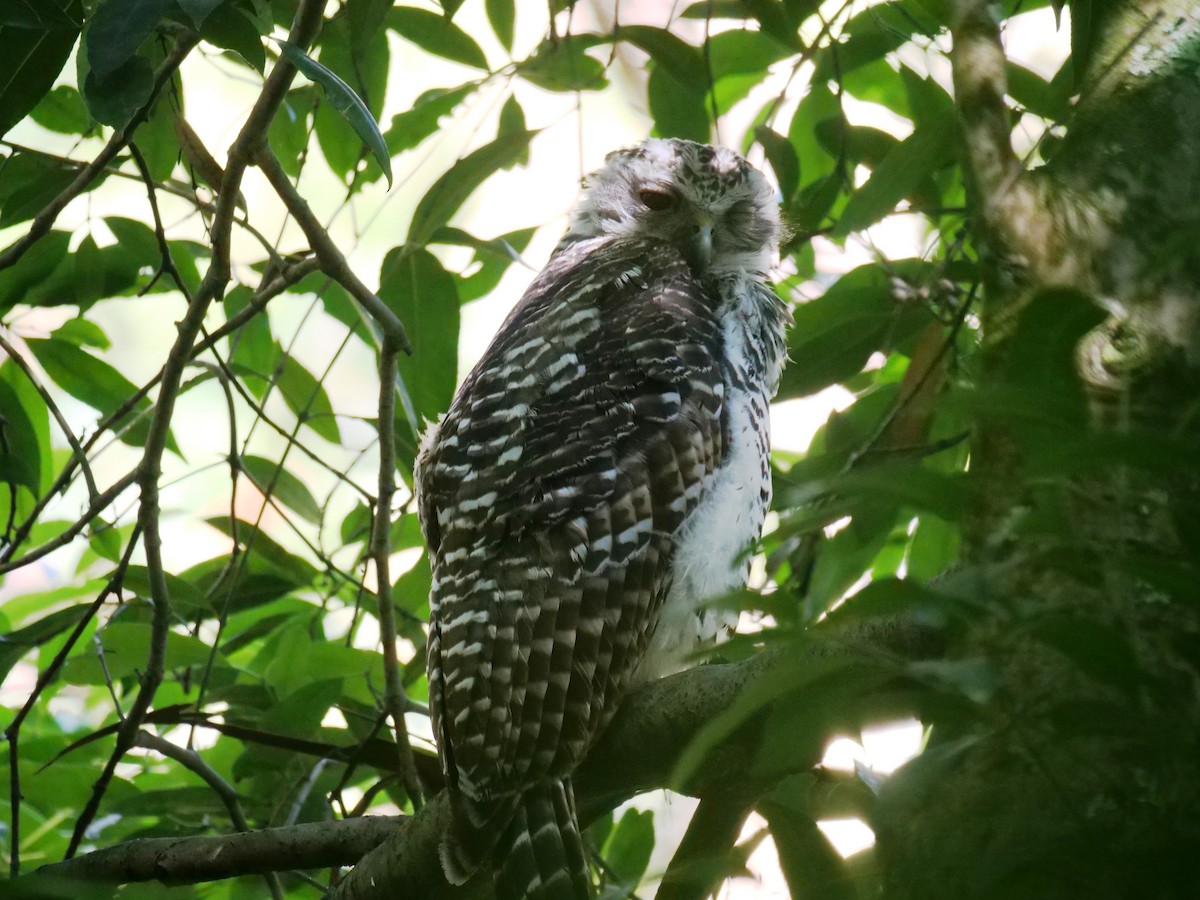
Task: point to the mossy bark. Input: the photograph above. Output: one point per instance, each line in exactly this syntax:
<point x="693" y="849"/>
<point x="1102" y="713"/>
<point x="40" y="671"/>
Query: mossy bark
<point x="1082" y="777"/>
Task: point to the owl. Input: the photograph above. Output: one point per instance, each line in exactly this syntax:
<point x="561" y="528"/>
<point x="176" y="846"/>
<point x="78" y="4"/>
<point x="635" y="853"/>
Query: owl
<point x="599" y="476"/>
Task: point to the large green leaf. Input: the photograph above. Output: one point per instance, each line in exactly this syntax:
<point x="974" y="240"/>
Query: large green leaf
<point x="362" y="62"/>
<point x="233" y="26"/>
<point x="449" y="192"/>
<point x="283" y="485"/>
<point x="835" y="334"/>
<point x="422" y="293"/>
<point x="62" y="110"/>
<point x="28" y="182"/>
<point x="115" y="98"/>
<point x="437" y="35"/>
<point x="32" y="57"/>
<point x="95" y="383"/>
<point x="125" y="646"/>
<point x="679" y="108"/>
<point x="563" y="65"/>
<point x="628" y="848"/>
<point x="899" y="174"/>
<point x="348" y="103"/>
<point x="422" y="119"/>
<point x="16" y="644"/>
<point x="308" y="399"/>
<point x="26" y="429"/>
<point x="810" y="864"/>
<point x="502" y="15"/>
<point x="668" y="51"/>
<point x="117" y="29"/>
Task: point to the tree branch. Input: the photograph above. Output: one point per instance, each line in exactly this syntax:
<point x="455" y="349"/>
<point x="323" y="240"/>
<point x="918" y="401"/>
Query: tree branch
<point x="639" y="752"/>
<point x="304" y="29"/>
<point x="191" y="860"/>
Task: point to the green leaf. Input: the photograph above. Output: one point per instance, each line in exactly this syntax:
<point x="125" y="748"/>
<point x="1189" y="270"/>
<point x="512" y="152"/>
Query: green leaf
<point x="16" y="644"/>
<point x="413" y="125"/>
<point x="739" y="52"/>
<point x="113" y="100"/>
<point x="232" y="26"/>
<point x="157" y="141"/>
<point x="449" y="192"/>
<point x="26" y="425"/>
<point x="184" y="594"/>
<point x="365" y="69"/>
<point x="492" y="257"/>
<point x="295" y="570"/>
<point x="283" y="485"/>
<point x="899" y="174"/>
<point x="681" y="59"/>
<point x="502" y="14"/>
<point x="346" y="102"/>
<point x="366" y="19"/>
<point x="628" y="848"/>
<point x="512" y="121"/>
<point x="563" y="65"/>
<point x="28" y="182"/>
<point x="31" y="58"/>
<point x="117" y="29"/>
<point x="835" y="334"/>
<point x="199" y="10"/>
<point x="820" y="104"/>
<point x="94" y="382"/>
<point x="288" y="134"/>
<point x="1048" y="99"/>
<point x="437" y="35"/>
<point x="125" y="645"/>
<point x="39" y="14"/>
<point x="1041" y="356"/>
<point x="62" y="110"/>
<point x="782" y="157"/>
<point x="416" y="287"/>
<point x="308" y="400"/>
<point x="20" y="455"/>
<point x="82" y="333"/>
<point x="679" y="108"/>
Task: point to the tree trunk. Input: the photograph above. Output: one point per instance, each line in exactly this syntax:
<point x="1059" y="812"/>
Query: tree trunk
<point x="1082" y="777"/>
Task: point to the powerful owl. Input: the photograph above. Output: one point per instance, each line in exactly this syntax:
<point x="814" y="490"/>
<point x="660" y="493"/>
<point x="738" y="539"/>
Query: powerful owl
<point x="599" y="476"/>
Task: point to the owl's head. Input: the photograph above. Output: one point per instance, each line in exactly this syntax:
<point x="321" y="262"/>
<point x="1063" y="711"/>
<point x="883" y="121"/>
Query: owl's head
<point x="719" y="210"/>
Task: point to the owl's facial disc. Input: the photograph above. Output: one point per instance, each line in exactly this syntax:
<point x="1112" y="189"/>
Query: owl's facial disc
<point x="717" y="209"/>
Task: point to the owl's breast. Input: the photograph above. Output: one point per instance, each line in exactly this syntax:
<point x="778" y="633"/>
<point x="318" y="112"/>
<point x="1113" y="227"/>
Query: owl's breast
<point x="710" y="556"/>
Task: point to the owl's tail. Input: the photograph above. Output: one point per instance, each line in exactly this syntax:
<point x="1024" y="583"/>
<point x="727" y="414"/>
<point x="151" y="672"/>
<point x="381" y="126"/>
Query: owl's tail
<point x="540" y="855"/>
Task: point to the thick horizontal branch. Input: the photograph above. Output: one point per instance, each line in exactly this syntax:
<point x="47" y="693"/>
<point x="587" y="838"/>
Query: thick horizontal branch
<point x="210" y="858"/>
<point x="639" y="752"/>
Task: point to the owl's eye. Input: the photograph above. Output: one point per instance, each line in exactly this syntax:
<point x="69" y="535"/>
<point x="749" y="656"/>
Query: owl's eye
<point x="656" y="200"/>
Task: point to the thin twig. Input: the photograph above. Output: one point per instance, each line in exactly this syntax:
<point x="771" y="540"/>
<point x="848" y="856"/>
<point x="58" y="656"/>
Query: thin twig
<point x="333" y="263"/>
<point x="395" y="700"/>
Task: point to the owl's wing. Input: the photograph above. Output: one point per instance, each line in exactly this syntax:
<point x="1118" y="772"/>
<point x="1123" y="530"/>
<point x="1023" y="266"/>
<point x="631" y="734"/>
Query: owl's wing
<point x="552" y="493"/>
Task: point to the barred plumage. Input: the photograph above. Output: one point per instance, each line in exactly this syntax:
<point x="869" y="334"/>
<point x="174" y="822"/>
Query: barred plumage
<point x="599" y="475"/>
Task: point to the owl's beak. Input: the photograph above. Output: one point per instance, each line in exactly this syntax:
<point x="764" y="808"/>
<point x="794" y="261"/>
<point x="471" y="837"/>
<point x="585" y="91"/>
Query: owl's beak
<point x="698" y="249"/>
